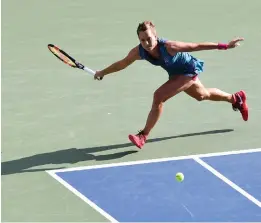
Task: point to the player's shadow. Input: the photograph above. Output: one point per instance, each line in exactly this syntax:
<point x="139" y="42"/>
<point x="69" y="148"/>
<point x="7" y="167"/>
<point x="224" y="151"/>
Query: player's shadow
<point x="74" y="155"/>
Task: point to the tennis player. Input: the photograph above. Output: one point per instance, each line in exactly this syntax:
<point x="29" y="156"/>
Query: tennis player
<point x="183" y="70"/>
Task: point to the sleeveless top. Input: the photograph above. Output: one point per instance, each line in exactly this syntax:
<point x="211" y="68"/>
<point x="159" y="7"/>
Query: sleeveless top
<point x="181" y="63"/>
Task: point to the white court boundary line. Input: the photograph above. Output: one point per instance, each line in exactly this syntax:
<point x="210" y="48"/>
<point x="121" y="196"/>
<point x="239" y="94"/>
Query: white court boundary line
<point x="80" y="195"/>
<point x="194" y="157"/>
<point x="227" y="181"/>
<point x="155" y="160"/>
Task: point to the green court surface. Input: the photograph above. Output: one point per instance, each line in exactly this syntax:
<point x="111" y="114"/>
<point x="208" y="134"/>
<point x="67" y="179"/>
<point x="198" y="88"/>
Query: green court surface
<point x="54" y="116"/>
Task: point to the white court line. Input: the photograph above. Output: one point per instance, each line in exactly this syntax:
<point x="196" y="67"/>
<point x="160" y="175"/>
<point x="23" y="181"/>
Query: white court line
<point x="77" y="193"/>
<point x="227" y="181"/>
<point x="155" y="160"/>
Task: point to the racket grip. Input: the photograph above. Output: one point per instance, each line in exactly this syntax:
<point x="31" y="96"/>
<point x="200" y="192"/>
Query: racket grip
<point x="89" y="70"/>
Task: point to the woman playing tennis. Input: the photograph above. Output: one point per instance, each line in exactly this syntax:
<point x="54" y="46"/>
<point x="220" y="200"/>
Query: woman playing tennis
<point x="183" y="70"/>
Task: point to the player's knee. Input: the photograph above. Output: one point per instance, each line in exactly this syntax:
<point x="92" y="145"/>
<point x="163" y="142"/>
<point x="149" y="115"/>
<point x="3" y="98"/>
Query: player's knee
<point x="158" y="99"/>
<point x="202" y="97"/>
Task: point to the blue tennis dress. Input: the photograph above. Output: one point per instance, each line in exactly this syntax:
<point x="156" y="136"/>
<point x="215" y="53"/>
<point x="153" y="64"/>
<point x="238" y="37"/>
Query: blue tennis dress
<point x="182" y="63"/>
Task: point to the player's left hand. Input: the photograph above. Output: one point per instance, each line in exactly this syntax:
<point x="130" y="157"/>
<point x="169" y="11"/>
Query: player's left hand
<point x="235" y="42"/>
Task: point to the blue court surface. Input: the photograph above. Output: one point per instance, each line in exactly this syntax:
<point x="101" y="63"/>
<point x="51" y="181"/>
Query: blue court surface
<point x="221" y="187"/>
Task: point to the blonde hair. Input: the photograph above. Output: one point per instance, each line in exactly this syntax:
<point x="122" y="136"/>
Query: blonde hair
<point x="144" y="26"/>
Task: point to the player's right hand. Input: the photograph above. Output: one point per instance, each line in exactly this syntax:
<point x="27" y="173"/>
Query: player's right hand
<point x="98" y="75"/>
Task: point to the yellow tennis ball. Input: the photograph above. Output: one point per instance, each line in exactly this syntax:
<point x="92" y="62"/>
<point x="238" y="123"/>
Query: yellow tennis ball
<point x="179" y="177"/>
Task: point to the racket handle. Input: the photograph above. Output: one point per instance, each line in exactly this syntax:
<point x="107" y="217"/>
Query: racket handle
<point x="90" y="71"/>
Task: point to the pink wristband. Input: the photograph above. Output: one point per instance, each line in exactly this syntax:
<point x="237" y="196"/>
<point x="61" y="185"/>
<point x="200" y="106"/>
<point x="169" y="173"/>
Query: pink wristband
<point x="222" y="46"/>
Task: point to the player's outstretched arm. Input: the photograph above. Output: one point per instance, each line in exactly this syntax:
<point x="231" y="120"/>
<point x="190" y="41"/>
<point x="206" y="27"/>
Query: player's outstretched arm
<point x="132" y="56"/>
<point x="175" y="46"/>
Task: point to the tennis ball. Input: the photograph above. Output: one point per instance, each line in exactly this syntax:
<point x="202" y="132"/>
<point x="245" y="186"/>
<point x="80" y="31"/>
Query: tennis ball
<point x="179" y="177"/>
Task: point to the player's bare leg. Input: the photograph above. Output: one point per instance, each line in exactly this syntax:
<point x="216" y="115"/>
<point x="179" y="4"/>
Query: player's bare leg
<point x="238" y="99"/>
<point x="169" y="89"/>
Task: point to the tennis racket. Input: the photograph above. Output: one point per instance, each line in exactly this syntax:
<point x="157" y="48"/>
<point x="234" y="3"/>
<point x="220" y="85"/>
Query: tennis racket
<point x="67" y="59"/>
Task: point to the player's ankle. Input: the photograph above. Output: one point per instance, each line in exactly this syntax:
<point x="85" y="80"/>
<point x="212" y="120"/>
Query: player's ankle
<point x="145" y="132"/>
<point x="232" y="99"/>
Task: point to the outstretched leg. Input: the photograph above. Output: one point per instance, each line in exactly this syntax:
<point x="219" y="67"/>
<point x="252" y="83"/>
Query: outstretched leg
<point x="200" y="93"/>
<point x="169" y="89"/>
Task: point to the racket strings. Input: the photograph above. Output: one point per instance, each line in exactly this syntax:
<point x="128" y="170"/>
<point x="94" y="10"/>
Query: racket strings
<point x="62" y="56"/>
